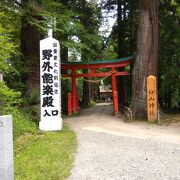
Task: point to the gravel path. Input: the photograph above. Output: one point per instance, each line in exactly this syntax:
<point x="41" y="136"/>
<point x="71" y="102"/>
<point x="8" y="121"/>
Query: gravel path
<point x="110" y="149"/>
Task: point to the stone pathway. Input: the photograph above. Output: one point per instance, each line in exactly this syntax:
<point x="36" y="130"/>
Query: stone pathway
<point x="110" y="149"/>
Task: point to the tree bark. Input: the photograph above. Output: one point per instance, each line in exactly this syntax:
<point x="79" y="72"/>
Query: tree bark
<point x="132" y="26"/>
<point x="86" y="90"/>
<point x="30" y="37"/>
<point x="147" y="55"/>
<point x="121" y="50"/>
<point x="86" y="86"/>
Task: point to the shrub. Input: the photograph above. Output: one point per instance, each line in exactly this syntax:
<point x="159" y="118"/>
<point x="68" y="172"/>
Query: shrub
<point x="34" y="97"/>
<point x="22" y="123"/>
<point x="9" y="97"/>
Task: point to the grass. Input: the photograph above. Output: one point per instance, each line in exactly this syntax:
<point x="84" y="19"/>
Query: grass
<point x="170" y="118"/>
<point x="175" y="118"/>
<point x="44" y="155"/>
<point x="22" y="122"/>
<point x="167" y="119"/>
<point x="40" y="155"/>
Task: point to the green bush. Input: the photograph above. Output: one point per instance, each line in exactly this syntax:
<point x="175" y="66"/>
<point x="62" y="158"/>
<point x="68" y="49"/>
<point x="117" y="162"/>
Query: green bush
<point x="34" y="97"/>
<point x="8" y="96"/>
<point x="22" y="123"/>
<point x="34" y="110"/>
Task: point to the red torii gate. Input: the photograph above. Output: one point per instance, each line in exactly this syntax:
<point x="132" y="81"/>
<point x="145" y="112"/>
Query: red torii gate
<point x="92" y="66"/>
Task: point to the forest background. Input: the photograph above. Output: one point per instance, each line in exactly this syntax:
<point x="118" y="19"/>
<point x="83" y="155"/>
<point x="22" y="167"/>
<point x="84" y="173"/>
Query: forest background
<point x="147" y="29"/>
<point x="76" y="25"/>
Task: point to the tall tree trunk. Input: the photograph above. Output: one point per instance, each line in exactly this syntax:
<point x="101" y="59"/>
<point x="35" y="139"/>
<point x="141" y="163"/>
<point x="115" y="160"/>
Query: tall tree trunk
<point x="86" y="86"/>
<point x="86" y="90"/>
<point x="92" y="93"/>
<point x="121" y="49"/>
<point x="30" y="37"/>
<point x="147" y="55"/>
<point x="132" y="26"/>
<point x="64" y="50"/>
<point x="65" y="84"/>
<point x="121" y="28"/>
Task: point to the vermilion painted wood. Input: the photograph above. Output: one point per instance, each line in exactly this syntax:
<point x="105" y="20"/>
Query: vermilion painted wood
<point x="115" y="102"/>
<point x="73" y="101"/>
<point x="114" y="91"/>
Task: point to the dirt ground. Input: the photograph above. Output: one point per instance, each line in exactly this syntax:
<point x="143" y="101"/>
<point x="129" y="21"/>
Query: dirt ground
<point x="110" y="148"/>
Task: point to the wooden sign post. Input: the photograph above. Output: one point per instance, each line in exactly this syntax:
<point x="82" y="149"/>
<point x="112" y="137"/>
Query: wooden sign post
<point x="151" y="98"/>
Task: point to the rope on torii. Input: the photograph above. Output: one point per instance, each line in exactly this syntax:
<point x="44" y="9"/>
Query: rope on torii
<point x="90" y="80"/>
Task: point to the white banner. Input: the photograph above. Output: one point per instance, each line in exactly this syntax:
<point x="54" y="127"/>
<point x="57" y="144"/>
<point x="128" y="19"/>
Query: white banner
<point x="50" y="87"/>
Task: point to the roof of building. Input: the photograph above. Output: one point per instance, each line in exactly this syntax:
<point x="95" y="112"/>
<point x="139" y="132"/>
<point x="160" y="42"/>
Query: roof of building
<point x="104" y="89"/>
<point x="100" y="61"/>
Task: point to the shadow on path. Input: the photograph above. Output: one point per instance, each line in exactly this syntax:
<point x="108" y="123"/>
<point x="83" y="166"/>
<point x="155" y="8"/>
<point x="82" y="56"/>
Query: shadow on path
<point x="100" y="109"/>
<point x="100" y="118"/>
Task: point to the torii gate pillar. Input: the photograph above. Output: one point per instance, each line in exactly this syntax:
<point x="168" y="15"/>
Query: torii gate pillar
<point x="74" y="94"/>
<point x="114" y="91"/>
<point x="93" y="66"/>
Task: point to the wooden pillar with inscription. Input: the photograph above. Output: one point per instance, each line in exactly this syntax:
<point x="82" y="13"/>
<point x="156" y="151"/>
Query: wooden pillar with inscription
<point x="151" y="98"/>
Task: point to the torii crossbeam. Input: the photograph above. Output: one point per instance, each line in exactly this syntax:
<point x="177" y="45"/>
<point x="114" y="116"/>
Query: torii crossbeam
<point x="93" y="66"/>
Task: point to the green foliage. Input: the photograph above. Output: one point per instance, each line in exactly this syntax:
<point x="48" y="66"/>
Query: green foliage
<point x="109" y="52"/>
<point x="33" y="97"/>
<point x="8" y="96"/>
<point x="123" y="35"/>
<point x="176" y="98"/>
<point x="66" y="87"/>
<point x="22" y="123"/>
<point x="91" y="18"/>
<point x="79" y="84"/>
<point x="9" y="21"/>
<point x="34" y="111"/>
<point x="7" y="47"/>
<point x="9" y="42"/>
<point x="46" y="155"/>
<point x="76" y="24"/>
<point x="169" y="74"/>
<point x="10" y="99"/>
